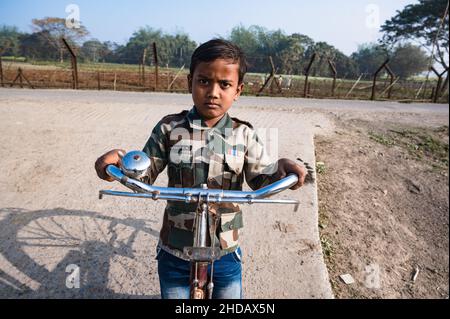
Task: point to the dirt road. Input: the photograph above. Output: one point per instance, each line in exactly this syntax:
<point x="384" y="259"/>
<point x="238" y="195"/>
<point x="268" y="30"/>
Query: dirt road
<point x="51" y="218"/>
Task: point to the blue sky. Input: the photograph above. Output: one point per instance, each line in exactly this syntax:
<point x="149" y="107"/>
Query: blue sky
<point x="344" y="24"/>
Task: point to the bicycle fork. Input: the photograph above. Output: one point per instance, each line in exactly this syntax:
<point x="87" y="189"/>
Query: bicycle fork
<point x="201" y="255"/>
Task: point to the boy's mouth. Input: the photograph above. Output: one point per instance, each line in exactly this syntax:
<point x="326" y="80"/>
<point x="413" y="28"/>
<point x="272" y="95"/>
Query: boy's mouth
<point x="212" y="105"/>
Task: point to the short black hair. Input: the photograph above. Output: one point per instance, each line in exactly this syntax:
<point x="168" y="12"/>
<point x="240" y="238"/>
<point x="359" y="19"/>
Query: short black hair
<point x="219" y="49"/>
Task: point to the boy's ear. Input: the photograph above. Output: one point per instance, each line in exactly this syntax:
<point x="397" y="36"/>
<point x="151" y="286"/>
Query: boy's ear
<point x="239" y="90"/>
<point x="189" y="78"/>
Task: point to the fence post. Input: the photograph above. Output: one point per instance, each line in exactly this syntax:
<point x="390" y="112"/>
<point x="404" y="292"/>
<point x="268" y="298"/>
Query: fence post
<point x="23" y="76"/>
<point x="20" y="78"/>
<point x="354" y="85"/>
<point x="1" y="73"/>
<point x="375" y="79"/>
<point x="444" y="86"/>
<point x="176" y="76"/>
<point x="74" y="65"/>
<point x="143" y="66"/>
<point x="391" y="82"/>
<point x="436" y="91"/>
<point x="98" y="80"/>
<point x="333" y="69"/>
<point x="270" y="78"/>
<point x="155" y="58"/>
<point x="308" y="68"/>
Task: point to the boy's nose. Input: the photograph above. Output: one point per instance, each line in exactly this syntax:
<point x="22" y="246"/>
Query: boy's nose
<point x="213" y="91"/>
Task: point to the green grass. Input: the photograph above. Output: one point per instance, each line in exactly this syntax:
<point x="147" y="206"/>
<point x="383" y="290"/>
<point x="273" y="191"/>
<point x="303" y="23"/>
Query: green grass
<point x="14" y="58"/>
<point x="103" y="67"/>
<point x="320" y="167"/>
<point x="327" y="246"/>
<point x="422" y="144"/>
<point x="381" y="138"/>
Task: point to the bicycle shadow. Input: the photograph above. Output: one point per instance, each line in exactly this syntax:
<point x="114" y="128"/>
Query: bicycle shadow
<point x="59" y="253"/>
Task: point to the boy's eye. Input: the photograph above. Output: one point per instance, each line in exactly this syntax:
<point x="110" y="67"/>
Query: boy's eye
<point x="225" y="84"/>
<point x="202" y="81"/>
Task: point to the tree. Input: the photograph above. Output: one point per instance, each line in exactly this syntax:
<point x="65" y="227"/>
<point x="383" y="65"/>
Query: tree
<point x="324" y="52"/>
<point x="369" y="57"/>
<point x="55" y="28"/>
<point x="421" y="22"/>
<point x="172" y="49"/>
<point x="95" y="51"/>
<point x="290" y="53"/>
<point x="258" y="43"/>
<point x="405" y="60"/>
<point x="408" y="60"/>
<point x="9" y="40"/>
<point x="35" y="46"/>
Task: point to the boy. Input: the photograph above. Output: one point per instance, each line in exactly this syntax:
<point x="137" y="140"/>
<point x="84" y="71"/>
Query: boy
<point x="206" y="146"/>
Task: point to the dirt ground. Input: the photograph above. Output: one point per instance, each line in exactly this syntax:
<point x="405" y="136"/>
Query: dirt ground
<point x="52" y="221"/>
<point x="382" y="173"/>
<point x="383" y="207"/>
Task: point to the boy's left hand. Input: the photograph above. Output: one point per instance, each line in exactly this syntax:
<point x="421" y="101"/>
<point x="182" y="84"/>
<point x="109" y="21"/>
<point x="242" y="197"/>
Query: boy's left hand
<point x="286" y="167"/>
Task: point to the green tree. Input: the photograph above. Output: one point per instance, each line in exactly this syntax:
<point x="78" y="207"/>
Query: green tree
<point x="324" y="52"/>
<point x="408" y="60"/>
<point x="369" y="57"/>
<point x="54" y="29"/>
<point x="259" y="43"/>
<point x="36" y="46"/>
<point x="9" y="40"/>
<point x="173" y="50"/>
<point x="421" y="22"/>
<point x="95" y="51"/>
<point x="246" y="39"/>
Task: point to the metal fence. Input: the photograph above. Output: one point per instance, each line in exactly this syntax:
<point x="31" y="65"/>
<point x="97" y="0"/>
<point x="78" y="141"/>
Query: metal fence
<point x="377" y="86"/>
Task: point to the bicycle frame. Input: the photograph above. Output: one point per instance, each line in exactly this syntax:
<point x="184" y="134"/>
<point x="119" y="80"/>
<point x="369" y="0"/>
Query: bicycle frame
<point x="135" y="164"/>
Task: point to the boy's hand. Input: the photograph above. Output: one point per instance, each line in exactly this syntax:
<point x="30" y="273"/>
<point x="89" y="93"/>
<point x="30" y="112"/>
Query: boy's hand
<point x="286" y="167"/>
<point x="110" y="158"/>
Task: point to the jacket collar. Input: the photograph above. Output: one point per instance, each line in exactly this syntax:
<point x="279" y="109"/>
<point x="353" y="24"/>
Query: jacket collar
<point x="198" y="123"/>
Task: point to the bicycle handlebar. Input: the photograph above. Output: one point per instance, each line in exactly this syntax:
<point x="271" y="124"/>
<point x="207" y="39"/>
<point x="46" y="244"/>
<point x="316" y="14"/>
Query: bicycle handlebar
<point x="196" y="195"/>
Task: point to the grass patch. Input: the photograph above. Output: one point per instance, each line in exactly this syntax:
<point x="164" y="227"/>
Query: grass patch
<point x="425" y="144"/>
<point x="320" y="167"/>
<point x="14" y="58"/>
<point x="327" y="246"/>
<point x="381" y="138"/>
<point x="420" y="143"/>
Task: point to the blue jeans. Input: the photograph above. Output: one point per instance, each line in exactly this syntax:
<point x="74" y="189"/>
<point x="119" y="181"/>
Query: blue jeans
<point x="174" y="276"/>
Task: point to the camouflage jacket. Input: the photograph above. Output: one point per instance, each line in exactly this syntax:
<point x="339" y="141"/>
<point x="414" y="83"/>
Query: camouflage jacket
<point x="219" y="157"/>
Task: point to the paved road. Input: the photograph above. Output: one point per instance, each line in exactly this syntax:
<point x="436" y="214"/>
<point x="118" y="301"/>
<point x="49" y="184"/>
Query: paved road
<point x="51" y="218"/>
<point x="247" y="101"/>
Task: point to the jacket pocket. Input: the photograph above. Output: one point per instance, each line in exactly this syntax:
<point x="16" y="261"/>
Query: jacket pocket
<point x="235" y="162"/>
<point x="232" y="171"/>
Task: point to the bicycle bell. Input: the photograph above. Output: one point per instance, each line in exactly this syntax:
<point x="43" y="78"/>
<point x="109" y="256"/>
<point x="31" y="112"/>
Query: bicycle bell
<point x="135" y="164"/>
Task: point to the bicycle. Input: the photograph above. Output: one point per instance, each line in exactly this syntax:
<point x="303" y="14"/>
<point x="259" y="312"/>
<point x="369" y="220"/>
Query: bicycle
<point x="133" y="168"/>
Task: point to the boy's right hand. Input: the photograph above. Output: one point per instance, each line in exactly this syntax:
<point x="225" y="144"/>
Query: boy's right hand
<point x="112" y="157"/>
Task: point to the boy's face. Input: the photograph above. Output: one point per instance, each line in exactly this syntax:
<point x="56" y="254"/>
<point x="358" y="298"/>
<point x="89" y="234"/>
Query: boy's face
<point x="214" y="86"/>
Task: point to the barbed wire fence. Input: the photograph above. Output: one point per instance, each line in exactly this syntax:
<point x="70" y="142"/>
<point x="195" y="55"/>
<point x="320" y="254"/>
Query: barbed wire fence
<point x="302" y="82"/>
